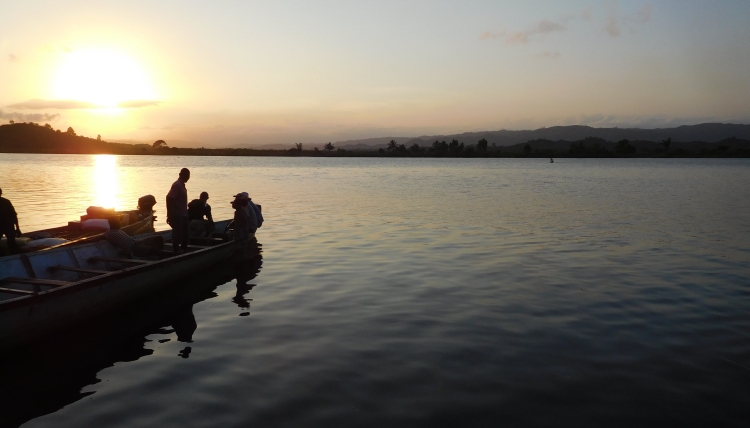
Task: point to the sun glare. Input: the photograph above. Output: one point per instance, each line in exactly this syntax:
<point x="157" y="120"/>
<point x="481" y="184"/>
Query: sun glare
<point x="105" y="180"/>
<point x="103" y="78"/>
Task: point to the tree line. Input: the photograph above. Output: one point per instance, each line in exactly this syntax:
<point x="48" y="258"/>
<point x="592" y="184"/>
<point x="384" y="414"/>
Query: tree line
<point x="35" y="138"/>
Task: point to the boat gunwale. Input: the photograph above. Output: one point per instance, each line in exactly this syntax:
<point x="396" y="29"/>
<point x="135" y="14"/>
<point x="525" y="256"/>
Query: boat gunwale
<point x="23" y="301"/>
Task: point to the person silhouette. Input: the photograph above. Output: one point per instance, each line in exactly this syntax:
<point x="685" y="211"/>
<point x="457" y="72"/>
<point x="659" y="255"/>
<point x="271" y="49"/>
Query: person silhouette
<point x="177" y="212"/>
<point x="8" y="219"/>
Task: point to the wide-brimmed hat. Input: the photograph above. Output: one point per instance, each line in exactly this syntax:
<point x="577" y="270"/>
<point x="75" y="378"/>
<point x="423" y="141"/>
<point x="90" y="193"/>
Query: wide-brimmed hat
<point x="241" y="195"/>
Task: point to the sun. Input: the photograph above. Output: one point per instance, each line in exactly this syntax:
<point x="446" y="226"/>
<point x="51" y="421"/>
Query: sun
<point x="103" y="78"/>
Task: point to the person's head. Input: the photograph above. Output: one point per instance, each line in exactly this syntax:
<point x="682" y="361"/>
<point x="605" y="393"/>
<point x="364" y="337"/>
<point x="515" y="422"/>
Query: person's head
<point x="204" y="196"/>
<point x="185" y="174"/>
<point x="240" y="201"/>
<point x="1" y="192"/>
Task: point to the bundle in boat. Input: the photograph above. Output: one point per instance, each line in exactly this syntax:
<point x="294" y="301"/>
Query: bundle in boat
<point x="116" y="220"/>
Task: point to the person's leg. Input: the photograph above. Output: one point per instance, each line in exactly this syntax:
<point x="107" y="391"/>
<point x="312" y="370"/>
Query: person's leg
<point x="11" y="237"/>
<point x="177" y="235"/>
<point x="185" y="234"/>
<point x="210" y="228"/>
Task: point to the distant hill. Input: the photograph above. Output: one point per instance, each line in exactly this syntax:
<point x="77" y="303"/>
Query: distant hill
<point x="34" y="138"/>
<point x="707" y="140"/>
<point x="706" y="132"/>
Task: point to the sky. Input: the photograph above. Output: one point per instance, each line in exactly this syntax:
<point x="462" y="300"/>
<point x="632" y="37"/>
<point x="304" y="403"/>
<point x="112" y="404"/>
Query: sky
<point x="235" y="73"/>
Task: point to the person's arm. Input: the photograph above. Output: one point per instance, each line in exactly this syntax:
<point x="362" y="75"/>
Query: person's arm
<point x="170" y="203"/>
<point x="15" y="219"/>
<point x="209" y="217"/>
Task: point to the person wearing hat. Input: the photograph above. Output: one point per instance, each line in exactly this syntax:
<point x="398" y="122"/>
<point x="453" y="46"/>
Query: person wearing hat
<point x="253" y="212"/>
<point x="241" y="222"/>
<point x="8" y="219"/>
<point x="197" y="210"/>
<point x="177" y="212"/>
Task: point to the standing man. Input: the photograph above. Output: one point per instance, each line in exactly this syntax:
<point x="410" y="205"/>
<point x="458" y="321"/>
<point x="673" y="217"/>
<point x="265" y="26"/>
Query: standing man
<point x="9" y="218"/>
<point x="177" y="212"/>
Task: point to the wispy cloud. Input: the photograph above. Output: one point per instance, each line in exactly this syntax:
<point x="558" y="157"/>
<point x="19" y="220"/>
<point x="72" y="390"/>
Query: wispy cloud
<point x="12" y="58"/>
<point x="549" y="55"/>
<point x="137" y="104"/>
<point x="644" y="15"/>
<point x="616" y="22"/>
<point x="39" y="104"/>
<point x="613" y="27"/>
<point x="539" y="29"/>
<point x="31" y="117"/>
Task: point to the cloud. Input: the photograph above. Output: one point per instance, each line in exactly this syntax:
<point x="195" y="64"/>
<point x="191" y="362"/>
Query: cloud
<point x="541" y="29"/>
<point x="616" y="24"/>
<point x="12" y="58"/>
<point x="137" y="104"/>
<point x="549" y="55"/>
<point x="644" y="15"/>
<point x="38" y="104"/>
<point x="616" y="21"/>
<point x="32" y="117"/>
<point x="613" y="27"/>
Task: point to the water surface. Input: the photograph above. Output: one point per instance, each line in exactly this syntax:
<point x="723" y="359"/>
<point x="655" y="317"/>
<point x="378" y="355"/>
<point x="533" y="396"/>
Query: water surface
<point x="417" y="292"/>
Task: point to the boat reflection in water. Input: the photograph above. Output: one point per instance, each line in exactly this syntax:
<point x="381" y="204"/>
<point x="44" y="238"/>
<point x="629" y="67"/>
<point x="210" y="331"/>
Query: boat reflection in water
<point x="51" y="375"/>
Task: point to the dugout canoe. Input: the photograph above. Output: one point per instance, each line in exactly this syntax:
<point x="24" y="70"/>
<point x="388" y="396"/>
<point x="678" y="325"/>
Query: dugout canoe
<point x="45" y="291"/>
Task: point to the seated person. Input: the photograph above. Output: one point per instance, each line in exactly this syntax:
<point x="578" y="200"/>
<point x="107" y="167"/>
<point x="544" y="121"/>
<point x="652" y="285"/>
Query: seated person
<point x="197" y="209"/>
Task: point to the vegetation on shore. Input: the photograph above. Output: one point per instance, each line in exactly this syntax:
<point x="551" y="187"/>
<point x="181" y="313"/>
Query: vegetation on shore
<point x="35" y="138"/>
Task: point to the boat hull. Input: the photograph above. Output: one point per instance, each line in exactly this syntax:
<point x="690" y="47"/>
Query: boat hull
<point x="26" y="318"/>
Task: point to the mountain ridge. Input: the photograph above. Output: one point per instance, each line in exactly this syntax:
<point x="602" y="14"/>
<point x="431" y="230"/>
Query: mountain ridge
<point x="707" y="132"/>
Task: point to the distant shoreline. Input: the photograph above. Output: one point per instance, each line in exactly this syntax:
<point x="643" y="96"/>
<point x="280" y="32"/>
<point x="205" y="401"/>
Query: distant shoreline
<point x="32" y="138"/>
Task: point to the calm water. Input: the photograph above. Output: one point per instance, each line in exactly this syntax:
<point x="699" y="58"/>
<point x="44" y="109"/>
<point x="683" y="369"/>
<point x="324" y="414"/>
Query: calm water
<point x="423" y="292"/>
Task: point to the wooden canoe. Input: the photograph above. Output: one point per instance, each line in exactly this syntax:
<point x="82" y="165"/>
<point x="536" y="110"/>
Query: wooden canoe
<point x="45" y="291"/>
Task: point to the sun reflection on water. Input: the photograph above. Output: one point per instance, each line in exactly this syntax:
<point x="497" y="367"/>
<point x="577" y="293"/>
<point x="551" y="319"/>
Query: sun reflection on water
<point x="105" y="181"/>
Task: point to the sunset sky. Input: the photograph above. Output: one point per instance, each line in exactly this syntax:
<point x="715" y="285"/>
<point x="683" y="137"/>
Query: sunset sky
<point x="229" y="73"/>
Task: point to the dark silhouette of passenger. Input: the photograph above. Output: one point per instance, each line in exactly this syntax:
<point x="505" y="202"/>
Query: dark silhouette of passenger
<point x="197" y="210"/>
<point x="177" y="212"/>
<point x="241" y="222"/>
<point x="8" y="219"/>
